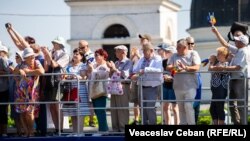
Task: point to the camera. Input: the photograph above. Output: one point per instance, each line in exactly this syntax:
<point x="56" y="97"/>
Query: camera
<point x="7" y="25"/>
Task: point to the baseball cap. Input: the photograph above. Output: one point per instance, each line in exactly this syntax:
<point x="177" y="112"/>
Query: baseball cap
<point x="122" y="47"/>
<point x="243" y="38"/>
<point x="145" y="36"/>
<point x="167" y="47"/>
<point x="28" y="52"/>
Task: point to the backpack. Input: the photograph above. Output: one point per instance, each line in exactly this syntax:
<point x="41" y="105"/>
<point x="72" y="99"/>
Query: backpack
<point x="235" y="27"/>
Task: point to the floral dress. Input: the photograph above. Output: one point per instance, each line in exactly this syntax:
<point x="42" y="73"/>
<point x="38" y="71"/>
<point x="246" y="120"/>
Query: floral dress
<point x="28" y="91"/>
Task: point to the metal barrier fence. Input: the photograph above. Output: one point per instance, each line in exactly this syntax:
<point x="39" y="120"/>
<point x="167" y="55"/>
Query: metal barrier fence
<point x="244" y="100"/>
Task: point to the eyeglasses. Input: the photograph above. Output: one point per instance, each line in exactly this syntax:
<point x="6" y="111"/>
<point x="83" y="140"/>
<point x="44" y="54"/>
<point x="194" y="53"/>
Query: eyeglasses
<point x="190" y="43"/>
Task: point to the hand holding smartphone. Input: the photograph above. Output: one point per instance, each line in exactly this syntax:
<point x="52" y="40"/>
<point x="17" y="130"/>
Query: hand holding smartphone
<point x="8" y="25"/>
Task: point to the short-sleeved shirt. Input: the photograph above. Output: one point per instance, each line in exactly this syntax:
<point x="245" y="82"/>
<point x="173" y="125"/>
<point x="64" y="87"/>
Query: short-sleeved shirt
<point x="184" y="81"/>
<point x="240" y="59"/>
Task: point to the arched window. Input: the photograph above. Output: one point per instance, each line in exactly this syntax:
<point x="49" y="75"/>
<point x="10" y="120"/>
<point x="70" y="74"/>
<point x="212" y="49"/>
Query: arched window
<point x="116" y="31"/>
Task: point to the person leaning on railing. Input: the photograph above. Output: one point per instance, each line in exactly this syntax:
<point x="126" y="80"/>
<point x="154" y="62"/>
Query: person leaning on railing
<point x="219" y="85"/>
<point x="120" y="117"/>
<point x="28" y="89"/>
<point x="149" y="69"/>
<point x="188" y="62"/>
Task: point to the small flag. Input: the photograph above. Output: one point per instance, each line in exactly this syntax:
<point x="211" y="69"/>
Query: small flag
<point x="211" y="18"/>
<point x="204" y="62"/>
<point x="174" y="71"/>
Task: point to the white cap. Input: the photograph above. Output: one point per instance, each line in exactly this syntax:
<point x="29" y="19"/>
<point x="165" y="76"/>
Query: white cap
<point x="167" y="47"/>
<point x="122" y="47"/>
<point x="3" y="48"/>
<point x="28" y="52"/>
<point x="59" y="40"/>
<point x="171" y="49"/>
<point x="242" y="38"/>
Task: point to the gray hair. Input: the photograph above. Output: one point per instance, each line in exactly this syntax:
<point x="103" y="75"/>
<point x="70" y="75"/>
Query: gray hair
<point x="182" y="42"/>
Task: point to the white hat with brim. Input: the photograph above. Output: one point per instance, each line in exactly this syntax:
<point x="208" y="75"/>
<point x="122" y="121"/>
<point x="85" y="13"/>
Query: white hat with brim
<point x="59" y="40"/>
<point x="28" y="52"/>
<point x="3" y="48"/>
<point x="243" y="38"/>
<point x="20" y="54"/>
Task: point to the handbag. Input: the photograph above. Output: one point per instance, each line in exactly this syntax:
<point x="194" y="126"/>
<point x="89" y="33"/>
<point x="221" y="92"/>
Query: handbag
<point x="114" y="87"/>
<point x="69" y="93"/>
<point x="97" y="89"/>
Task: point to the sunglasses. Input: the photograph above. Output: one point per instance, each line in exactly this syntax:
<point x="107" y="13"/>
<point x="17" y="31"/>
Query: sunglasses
<point x="190" y="43"/>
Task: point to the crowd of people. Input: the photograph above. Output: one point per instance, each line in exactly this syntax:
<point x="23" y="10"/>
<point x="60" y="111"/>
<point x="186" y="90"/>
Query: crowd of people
<point x="136" y="80"/>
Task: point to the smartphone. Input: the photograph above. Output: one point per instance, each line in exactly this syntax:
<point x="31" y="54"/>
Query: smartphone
<point x="7" y="25"/>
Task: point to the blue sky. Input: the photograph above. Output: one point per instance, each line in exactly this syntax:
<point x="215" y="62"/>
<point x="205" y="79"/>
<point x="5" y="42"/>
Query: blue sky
<point x="39" y="18"/>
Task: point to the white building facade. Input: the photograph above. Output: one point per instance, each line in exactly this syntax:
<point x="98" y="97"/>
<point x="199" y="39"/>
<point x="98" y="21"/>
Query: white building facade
<point x="107" y="23"/>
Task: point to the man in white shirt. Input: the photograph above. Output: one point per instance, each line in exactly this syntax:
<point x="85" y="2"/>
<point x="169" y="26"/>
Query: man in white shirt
<point x="185" y="84"/>
<point x="149" y="69"/>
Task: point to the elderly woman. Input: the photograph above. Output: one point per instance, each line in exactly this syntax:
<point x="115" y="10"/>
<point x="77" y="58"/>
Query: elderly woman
<point x="99" y="71"/>
<point x="166" y="51"/>
<point x="78" y="68"/>
<point x="54" y="62"/>
<point x="22" y="43"/>
<point x="27" y="90"/>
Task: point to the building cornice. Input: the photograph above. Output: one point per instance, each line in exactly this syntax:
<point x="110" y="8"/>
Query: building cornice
<point x="166" y="3"/>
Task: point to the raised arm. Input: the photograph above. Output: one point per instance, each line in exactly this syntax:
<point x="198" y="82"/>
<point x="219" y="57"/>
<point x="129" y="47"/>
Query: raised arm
<point x="18" y="40"/>
<point x="219" y="37"/>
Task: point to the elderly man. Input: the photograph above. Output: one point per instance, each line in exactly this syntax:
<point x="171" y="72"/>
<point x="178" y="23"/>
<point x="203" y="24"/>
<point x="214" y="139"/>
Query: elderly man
<point x="185" y="84"/>
<point x="120" y="117"/>
<point x="84" y="47"/>
<point x="149" y="68"/>
<point x="90" y="57"/>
